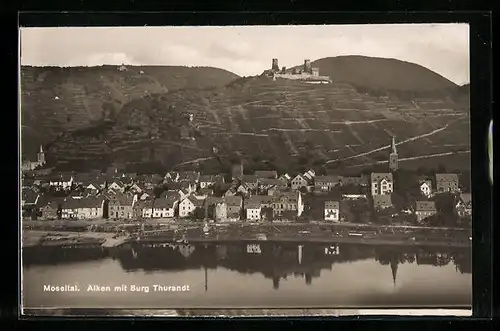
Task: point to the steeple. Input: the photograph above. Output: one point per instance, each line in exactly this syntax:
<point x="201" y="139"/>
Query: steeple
<point x="206" y="279"/>
<point x="393" y="157"/>
<point x="41" y="156"/>
<point x="394" y="269"/>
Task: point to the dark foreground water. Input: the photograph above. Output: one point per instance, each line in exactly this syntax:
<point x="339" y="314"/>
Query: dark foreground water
<point x="238" y="276"/>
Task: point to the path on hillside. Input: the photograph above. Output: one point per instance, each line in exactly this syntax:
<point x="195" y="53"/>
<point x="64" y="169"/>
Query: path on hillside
<point x="201" y="159"/>
<point x="397" y="144"/>
<point x="411" y="158"/>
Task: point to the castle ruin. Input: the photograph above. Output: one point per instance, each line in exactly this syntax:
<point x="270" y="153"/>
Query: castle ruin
<point x="308" y="73"/>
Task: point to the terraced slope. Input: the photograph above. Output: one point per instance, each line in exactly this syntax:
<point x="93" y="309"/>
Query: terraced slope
<point x="291" y="124"/>
<point x="54" y="100"/>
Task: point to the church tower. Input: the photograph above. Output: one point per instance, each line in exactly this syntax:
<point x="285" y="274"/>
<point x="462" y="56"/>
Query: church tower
<point x="394" y="269"/>
<point x="41" y="156"/>
<point x="393" y="157"/>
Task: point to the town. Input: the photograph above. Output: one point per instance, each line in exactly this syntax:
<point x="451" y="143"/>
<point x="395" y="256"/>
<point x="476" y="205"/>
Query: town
<point x="395" y="197"/>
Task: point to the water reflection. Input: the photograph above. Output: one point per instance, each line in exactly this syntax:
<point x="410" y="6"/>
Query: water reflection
<point x="275" y="261"/>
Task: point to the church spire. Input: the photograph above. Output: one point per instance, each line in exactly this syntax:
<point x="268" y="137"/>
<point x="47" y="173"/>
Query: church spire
<point x="394" y="269"/>
<point x="393" y="145"/>
<point x="41" y="148"/>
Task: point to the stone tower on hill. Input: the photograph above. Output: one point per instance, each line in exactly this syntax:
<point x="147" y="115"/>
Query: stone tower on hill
<point x="393" y="157"/>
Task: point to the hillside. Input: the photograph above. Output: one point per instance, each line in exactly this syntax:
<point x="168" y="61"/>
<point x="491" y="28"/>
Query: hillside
<point x="289" y="124"/>
<point x="54" y="99"/>
<point x="380" y="74"/>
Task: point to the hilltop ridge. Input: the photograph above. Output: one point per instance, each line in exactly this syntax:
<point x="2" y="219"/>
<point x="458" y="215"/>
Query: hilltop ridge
<point x="381" y="74"/>
<point x="57" y="99"/>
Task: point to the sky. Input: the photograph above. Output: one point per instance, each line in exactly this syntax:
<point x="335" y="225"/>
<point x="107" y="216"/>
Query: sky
<point x="248" y="50"/>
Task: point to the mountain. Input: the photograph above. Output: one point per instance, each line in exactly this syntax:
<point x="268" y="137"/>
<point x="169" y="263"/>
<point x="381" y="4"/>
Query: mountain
<point x="285" y="124"/>
<point x="381" y="74"/>
<point x="55" y="100"/>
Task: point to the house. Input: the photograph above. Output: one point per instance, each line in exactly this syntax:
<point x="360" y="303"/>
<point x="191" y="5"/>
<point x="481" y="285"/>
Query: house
<point x="147" y="208"/>
<point x="136" y="188"/>
<point x="116" y="186"/>
<point x="250" y="181"/>
<point x="353" y="181"/>
<point x="171" y="176"/>
<point x="234" y="207"/>
<point x="285" y="178"/>
<point x="206" y="181"/>
<point x="381" y="202"/>
<point x="464" y="205"/>
<point x="447" y="183"/>
<point x="187" y="186"/>
<point x="326" y="183"/>
<point x="352" y="192"/>
<point x="298" y="182"/>
<point x="85" y="208"/>
<point x="50" y="211"/>
<point x="288" y="201"/>
<point x="164" y="207"/>
<point x="269" y="174"/>
<point x="145" y="195"/>
<point x="220" y="213"/>
<point x="209" y="206"/>
<point x="425" y="186"/>
<point x="381" y="183"/>
<point x="253" y="209"/>
<point x="93" y="187"/>
<point x="331" y="212"/>
<point x="189" y="176"/>
<point x="243" y="189"/>
<point x="189" y="205"/>
<point x="268" y="183"/>
<point x="142" y="209"/>
<point x="61" y="182"/>
<point x="121" y="206"/>
<point x="309" y="175"/>
<point x="424" y="209"/>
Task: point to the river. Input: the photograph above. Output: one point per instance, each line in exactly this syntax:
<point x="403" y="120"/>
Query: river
<point x="269" y="275"/>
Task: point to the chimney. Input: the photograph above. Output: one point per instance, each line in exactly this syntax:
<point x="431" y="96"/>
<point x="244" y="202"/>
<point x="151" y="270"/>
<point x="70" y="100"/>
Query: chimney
<point x="307" y="66"/>
<point x="275" y="66"/>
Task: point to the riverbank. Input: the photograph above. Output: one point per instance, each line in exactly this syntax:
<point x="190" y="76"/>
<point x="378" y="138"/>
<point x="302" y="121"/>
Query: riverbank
<point x="248" y="233"/>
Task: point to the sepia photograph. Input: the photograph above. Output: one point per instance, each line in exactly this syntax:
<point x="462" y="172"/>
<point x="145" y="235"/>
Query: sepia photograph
<point x="232" y="168"/>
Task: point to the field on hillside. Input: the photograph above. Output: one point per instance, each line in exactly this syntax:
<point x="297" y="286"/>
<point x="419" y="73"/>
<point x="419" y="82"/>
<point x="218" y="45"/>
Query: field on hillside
<point x="291" y="125"/>
<point x="55" y="100"/>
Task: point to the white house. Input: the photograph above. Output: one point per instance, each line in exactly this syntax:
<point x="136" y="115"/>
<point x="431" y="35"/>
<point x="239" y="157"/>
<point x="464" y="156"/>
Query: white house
<point x="298" y="182"/>
<point x="426" y="188"/>
<point x="164" y="207"/>
<point x="115" y="186"/>
<point x="331" y="211"/>
<point x="253" y="208"/>
<point x="464" y="205"/>
<point x="381" y="183"/>
<point x="63" y="182"/>
<point x="189" y="205"/>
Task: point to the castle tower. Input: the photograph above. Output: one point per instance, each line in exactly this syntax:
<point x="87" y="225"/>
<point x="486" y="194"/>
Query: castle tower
<point x="41" y="156"/>
<point x="393" y="157"/>
<point x="275" y="67"/>
<point x="307" y="66"/>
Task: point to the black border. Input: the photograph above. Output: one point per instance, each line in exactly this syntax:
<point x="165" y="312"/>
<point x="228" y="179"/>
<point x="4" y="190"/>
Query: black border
<point x="481" y="93"/>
